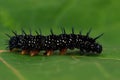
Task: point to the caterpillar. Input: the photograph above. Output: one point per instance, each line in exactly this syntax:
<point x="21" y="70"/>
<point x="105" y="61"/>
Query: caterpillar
<point x="33" y="44"/>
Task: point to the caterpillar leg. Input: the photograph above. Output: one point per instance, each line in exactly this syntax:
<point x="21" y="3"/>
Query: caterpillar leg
<point x="24" y="52"/>
<point x="48" y="52"/>
<point x="34" y="52"/>
<point x="63" y="51"/>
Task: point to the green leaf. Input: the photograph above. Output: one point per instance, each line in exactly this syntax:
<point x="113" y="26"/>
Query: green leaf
<point x="24" y="67"/>
<point x="100" y="15"/>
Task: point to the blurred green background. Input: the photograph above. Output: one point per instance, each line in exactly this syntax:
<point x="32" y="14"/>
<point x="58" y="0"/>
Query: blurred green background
<point x="103" y="16"/>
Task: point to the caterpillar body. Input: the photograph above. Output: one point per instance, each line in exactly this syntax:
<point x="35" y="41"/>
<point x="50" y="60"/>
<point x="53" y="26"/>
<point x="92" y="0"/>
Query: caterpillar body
<point x="33" y="44"/>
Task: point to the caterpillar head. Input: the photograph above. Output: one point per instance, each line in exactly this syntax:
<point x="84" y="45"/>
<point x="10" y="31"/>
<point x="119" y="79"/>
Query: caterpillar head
<point x="89" y="48"/>
<point x="96" y="48"/>
<point x="89" y="45"/>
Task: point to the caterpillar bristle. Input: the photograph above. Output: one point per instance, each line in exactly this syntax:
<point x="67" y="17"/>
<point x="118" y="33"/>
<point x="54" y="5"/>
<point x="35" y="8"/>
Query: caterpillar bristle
<point x="23" y="32"/>
<point x="37" y="33"/>
<point x="40" y="32"/>
<point x="7" y="35"/>
<point x="80" y="32"/>
<point x="51" y="31"/>
<point x="15" y="33"/>
<point x="98" y="36"/>
<point x="61" y="30"/>
<point x="88" y="33"/>
<point x="64" y="32"/>
<point x="72" y="30"/>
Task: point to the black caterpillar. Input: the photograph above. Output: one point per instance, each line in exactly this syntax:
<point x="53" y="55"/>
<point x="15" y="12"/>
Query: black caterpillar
<point x="29" y="44"/>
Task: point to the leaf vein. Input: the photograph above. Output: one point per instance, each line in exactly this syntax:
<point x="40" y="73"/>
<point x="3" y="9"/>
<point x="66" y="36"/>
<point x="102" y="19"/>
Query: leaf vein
<point x="15" y="71"/>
